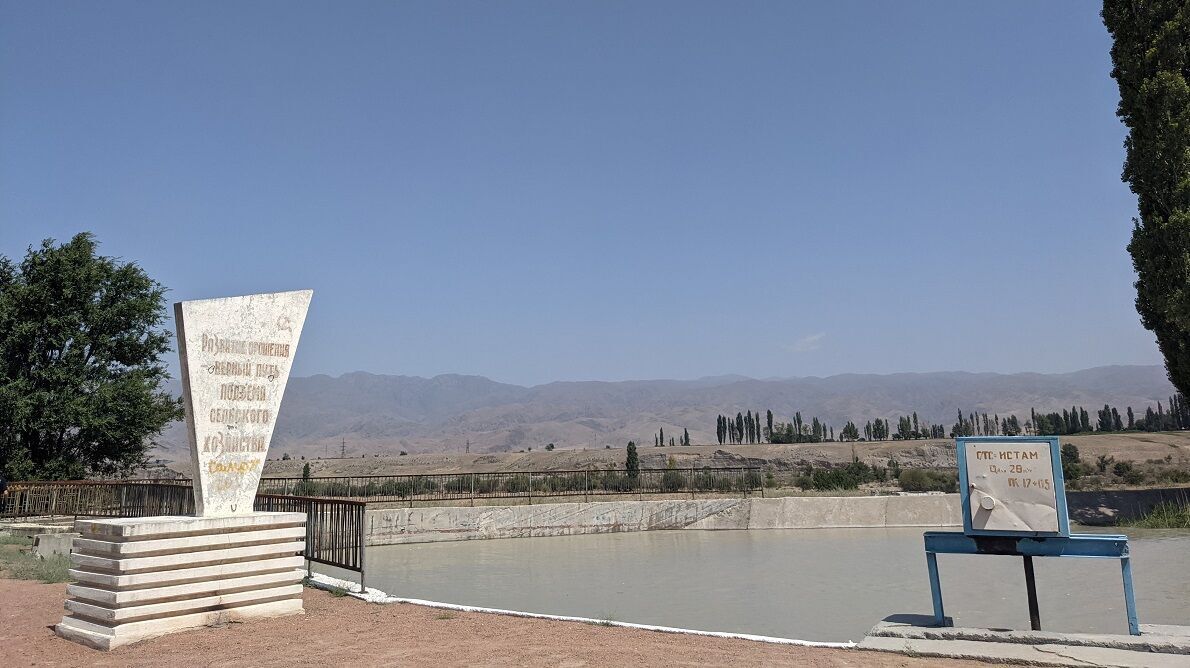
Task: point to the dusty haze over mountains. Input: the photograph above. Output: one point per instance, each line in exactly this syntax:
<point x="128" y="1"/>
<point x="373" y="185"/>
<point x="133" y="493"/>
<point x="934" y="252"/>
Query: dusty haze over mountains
<point x="375" y="413"/>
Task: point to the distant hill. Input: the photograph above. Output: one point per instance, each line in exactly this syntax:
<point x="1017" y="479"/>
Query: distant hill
<point x="376" y="413"/>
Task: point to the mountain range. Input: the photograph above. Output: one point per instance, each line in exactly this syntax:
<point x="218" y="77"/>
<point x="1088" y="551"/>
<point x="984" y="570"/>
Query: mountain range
<point x="366" y="413"/>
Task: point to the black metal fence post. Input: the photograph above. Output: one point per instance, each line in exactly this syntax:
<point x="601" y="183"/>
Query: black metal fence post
<point x="363" y="543"/>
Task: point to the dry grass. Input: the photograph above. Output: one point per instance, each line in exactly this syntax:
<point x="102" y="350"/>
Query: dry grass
<point x="19" y="563"/>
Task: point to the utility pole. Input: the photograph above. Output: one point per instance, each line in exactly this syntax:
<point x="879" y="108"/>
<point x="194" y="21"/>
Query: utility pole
<point x="468" y="446"/>
<point x="343" y="450"/>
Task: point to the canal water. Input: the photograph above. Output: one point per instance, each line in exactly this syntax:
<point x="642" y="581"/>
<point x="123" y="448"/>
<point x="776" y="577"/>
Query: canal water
<point x="815" y="584"/>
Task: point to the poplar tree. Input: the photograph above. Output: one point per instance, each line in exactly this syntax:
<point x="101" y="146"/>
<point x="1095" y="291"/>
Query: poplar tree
<point x="1151" y="63"/>
<point x="632" y="462"/>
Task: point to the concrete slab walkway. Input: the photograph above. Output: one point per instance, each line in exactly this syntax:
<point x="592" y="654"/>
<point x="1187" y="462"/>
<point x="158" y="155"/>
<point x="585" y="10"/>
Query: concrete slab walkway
<point x="1157" y="647"/>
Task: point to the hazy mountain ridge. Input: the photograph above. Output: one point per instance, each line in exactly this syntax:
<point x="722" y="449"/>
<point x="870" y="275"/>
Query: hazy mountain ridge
<point x="378" y="413"/>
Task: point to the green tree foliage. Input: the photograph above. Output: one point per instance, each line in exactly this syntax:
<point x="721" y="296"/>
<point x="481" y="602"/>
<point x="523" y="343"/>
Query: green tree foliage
<point x="1151" y="63"/>
<point x="1071" y="465"/>
<point x="850" y="432"/>
<point x="1073" y="420"/>
<point x="632" y="462"/>
<point x="672" y="480"/>
<point x="849" y="476"/>
<point x="81" y="375"/>
<point x="925" y="480"/>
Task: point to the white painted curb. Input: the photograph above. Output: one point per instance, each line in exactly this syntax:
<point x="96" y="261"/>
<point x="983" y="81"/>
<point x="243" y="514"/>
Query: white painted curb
<point x="321" y="581"/>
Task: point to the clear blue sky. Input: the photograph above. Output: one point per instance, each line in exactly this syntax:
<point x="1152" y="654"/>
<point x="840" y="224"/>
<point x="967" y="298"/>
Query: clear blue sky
<point x="596" y="190"/>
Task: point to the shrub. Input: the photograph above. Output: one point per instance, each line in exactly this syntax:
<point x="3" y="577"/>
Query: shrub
<point x="1165" y="516"/>
<point x="517" y="484"/>
<point x="460" y="484"/>
<point x="827" y="479"/>
<point x="925" y="480"/>
<point x="1071" y="467"/>
<point x="753" y="480"/>
<point x="1104" y="461"/>
<point x="611" y="481"/>
<point x="1175" y="476"/>
<point x="672" y="480"/>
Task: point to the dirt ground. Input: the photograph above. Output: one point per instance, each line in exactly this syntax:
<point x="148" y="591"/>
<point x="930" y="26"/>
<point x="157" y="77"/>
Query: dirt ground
<point x="1135" y="446"/>
<point x="344" y="631"/>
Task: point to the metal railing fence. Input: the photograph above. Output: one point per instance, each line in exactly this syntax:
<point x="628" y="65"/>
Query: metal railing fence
<point x="140" y="498"/>
<point x="334" y="527"/>
<point x="335" y="530"/>
<point x="97" y="498"/>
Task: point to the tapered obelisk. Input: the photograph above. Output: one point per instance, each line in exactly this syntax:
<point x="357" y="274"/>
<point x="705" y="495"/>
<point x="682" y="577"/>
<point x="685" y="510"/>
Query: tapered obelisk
<point x="236" y="355"/>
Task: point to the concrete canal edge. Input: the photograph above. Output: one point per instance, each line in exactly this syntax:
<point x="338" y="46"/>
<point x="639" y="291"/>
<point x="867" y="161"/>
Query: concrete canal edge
<point x="398" y="526"/>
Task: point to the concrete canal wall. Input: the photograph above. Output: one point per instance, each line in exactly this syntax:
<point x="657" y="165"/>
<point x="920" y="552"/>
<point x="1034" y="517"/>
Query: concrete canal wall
<point x="423" y="525"/>
<point x="1104" y="508"/>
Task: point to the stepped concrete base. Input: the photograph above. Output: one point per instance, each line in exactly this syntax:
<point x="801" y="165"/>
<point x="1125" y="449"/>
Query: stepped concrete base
<point x="31" y="529"/>
<point x="141" y="578"/>
<point x="1156" y="647"/>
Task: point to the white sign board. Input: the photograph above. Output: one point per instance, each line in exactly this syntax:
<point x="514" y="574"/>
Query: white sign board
<point x="236" y="353"/>
<point x="1011" y="486"/>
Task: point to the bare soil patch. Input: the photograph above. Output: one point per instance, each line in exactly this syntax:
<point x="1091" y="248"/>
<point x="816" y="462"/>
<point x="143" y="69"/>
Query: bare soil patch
<point x="343" y="631"/>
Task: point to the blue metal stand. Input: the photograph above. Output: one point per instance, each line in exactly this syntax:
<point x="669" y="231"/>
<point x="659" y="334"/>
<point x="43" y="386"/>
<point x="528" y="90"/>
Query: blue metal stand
<point x="1091" y="546"/>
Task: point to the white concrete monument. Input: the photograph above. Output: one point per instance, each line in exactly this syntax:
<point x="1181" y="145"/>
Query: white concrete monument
<point x="144" y="577"/>
<point x="236" y="353"/>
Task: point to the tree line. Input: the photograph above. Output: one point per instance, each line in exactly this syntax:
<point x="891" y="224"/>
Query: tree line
<point x="659" y="438"/>
<point x="747" y="427"/>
